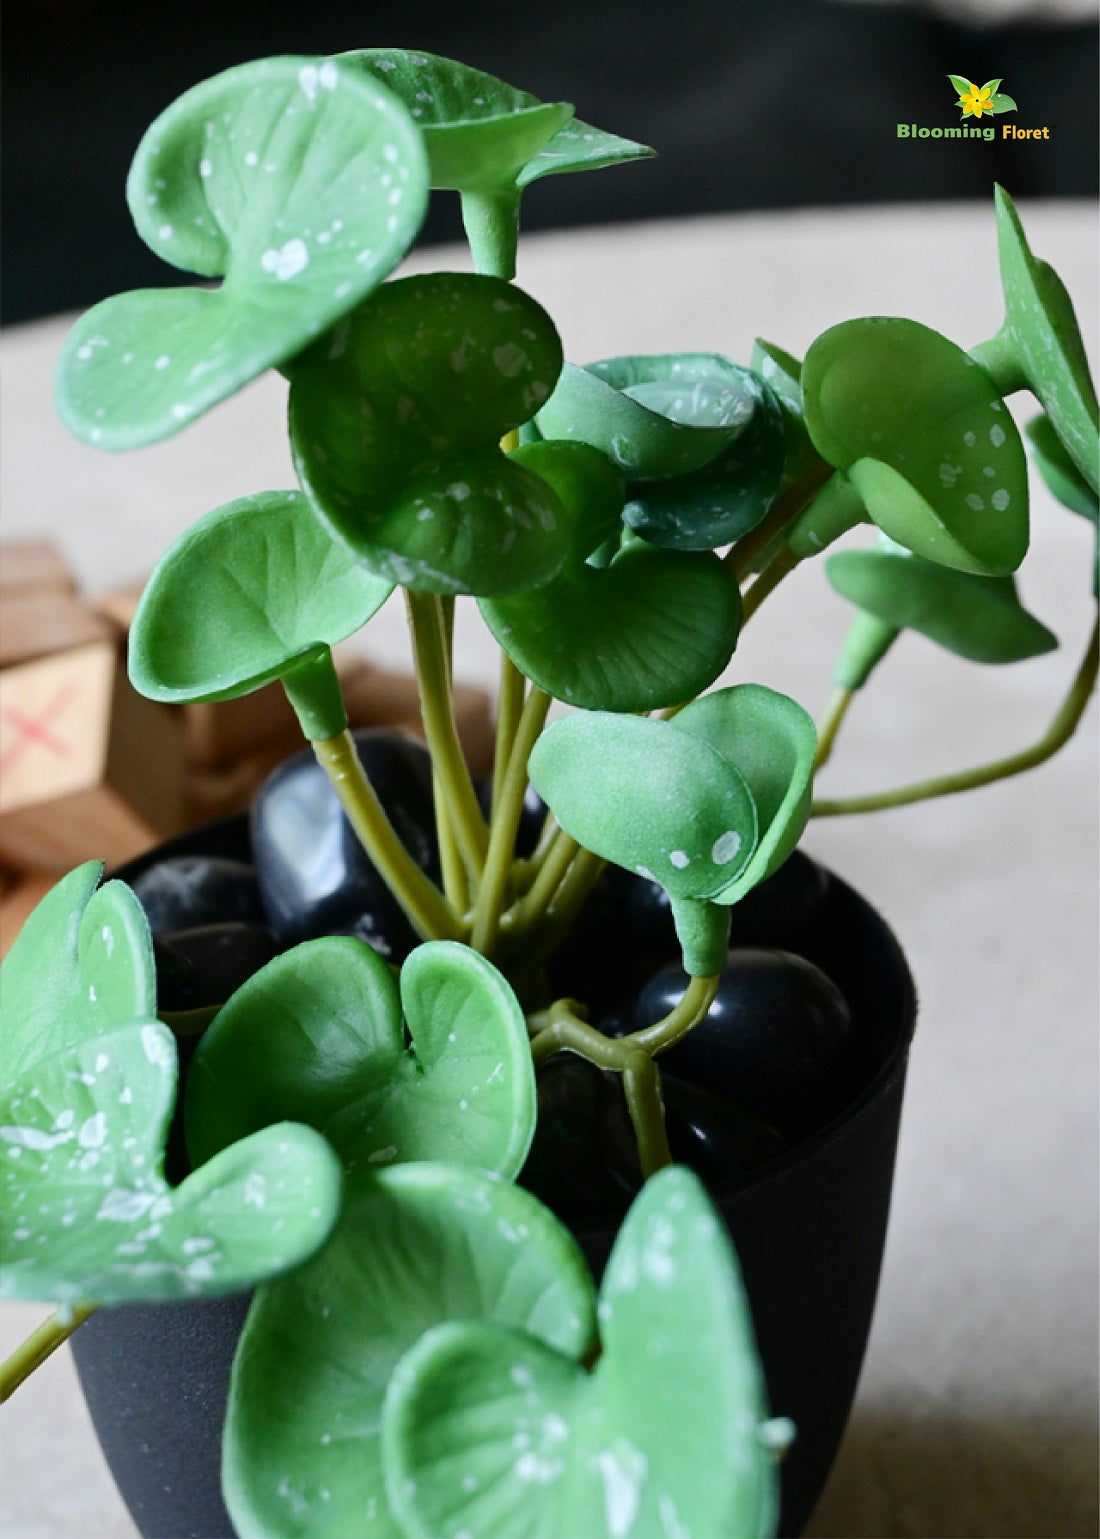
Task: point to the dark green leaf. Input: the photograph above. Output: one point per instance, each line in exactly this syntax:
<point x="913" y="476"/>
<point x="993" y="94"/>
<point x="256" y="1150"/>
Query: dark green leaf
<point x="395" y="425"/>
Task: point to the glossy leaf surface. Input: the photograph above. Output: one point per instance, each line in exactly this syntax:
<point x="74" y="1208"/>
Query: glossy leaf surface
<point x="416" y="1245"/>
<point x="924" y="439"/>
<point x="395" y="427"/>
<point x="303" y="184"/>
<point x="648" y="629"/>
<point x="1046" y="340"/>
<point x="317" y="1037"/>
<point x="979" y="618"/>
<point x="489" y="1432"/>
<point x="718" y="504"/>
<point x="654" y="417"/>
<point x="1063" y="480"/>
<point x="252" y="589"/>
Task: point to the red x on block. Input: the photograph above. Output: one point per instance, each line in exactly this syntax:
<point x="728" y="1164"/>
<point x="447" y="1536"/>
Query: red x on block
<point x="30" y="730"/>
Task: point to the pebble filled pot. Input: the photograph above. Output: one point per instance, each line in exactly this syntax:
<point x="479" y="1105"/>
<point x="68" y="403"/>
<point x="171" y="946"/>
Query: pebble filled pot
<point x="512" y="1158"/>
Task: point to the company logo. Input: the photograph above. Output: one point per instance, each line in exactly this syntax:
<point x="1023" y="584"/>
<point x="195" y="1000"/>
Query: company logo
<point x="975" y="103"/>
<point x="976" y="100"/>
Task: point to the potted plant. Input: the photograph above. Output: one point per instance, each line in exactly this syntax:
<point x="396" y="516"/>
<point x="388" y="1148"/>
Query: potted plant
<point x="455" y="1015"/>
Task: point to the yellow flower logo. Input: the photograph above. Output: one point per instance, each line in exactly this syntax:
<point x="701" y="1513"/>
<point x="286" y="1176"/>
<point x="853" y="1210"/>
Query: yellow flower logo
<point x="976" y="100"/>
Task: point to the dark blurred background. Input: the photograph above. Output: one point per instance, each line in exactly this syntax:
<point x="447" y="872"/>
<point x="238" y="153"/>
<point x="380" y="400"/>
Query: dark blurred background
<point x="752" y="104"/>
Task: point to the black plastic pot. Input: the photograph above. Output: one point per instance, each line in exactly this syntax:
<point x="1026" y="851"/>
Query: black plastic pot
<point x="809" y="1231"/>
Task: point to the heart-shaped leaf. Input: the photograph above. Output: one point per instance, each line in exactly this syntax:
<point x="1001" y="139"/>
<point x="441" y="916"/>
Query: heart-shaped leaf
<point x="317" y="1037"/>
<point x="416" y="1245"/>
<point x="648" y="629"/>
<point x="924" y="440"/>
<point x="718" y="504"/>
<point x="656" y="800"/>
<point x="86" y="1215"/>
<point x="246" y="595"/>
<point x="979" y="618"/>
<point x="300" y="181"/>
<point x="773" y="743"/>
<point x="395" y="426"/>
<point x="1041" y="327"/>
<point x="81" y="965"/>
<point x="488" y="1431"/>
<point x="658" y="416"/>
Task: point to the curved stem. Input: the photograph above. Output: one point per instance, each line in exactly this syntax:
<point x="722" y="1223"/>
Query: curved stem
<point x="551" y="872"/>
<point x="513" y="687"/>
<point x="641" y="1077"/>
<point x="780" y="566"/>
<point x="40" y="1345"/>
<point x="835" y="712"/>
<point x="741" y="557"/>
<point x="506" y="818"/>
<point x="1057" y="734"/>
<point x="697" y="1000"/>
<point x="426" y="622"/>
<point x="430" y="915"/>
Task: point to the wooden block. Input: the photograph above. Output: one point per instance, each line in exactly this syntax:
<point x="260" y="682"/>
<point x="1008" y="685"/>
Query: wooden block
<point x="88" y="767"/>
<point x="38" y="621"/>
<point x="29" y="564"/>
<point x="17" y="904"/>
<point x="377" y="697"/>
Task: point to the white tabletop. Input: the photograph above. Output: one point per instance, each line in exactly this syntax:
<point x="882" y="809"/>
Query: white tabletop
<point x="977" y="1410"/>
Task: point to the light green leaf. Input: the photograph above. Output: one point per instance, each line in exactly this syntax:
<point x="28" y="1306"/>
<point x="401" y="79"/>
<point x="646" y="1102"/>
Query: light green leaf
<point x="917" y="427"/>
<point x="487" y="1431"/>
<point x="578" y="146"/>
<point x="395" y="426"/>
<point x="961" y="84"/>
<point x="303" y="184"/>
<point x="81" y="965"/>
<point x="317" y="1037"/>
<point x="416" y="1245"/>
<point x="1002" y="103"/>
<point x="1042" y="330"/>
<point x="251" y="590"/>
<point x="1063" y="480"/>
<point x="979" y="618"/>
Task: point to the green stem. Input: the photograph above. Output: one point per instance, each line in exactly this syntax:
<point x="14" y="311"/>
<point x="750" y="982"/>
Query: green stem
<point x="491" y="222"/>
<point x="39" y="1345"/>
<point x="697" y="1000"/>
<point x="433" y="675"/>
<point x="430" y="915"/>
<point x="1001" y="361"/>
<point x="552" y="871"/>
<point x="1058" y="733"/>
<point x="313" y="690"/>
<point x="780" y="566"/>
<point x="835" y="712"/>
<point x="641" y="1077"/>
<point x="506" y="818"/>
<point x="741" y="558"/>
<point x="513" y="687"/>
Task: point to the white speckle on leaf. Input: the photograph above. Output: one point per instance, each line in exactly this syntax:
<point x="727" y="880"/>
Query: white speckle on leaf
<point x="1000" y="499"/>
<point x="163" y="361"/>
<point x="124" y="1206"/>
<point x="33" y="1138"/>
<point x="680" y="859"/>
<point x="205" y="168"/>
<point x="997" y="435"/>
<point x="93" y="1131"/>
<point x="973" y="500"/>
<point x="622" y="1467"/>
<point x="286" y="261"/>
<point x="970" y="439"/>
<point x="158" y="1048"/>
<point x="725" y="847"/>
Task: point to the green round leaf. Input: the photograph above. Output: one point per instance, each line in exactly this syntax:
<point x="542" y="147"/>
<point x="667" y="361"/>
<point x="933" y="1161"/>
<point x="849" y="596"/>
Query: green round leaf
<point x="651" y="629"/>
<point x="81" y="965"/>
<point x="1063" y="480"/>
<point x="773" y="743"/>
<point x="317" y="1037"/>
<point x="416" y="1245"/>
<point x="652" y="416"/>
<point x="925" y="441"/>
<point x="395" y="427"/>
<point x="85" y="1213"/>
<point x="250" y="591"/>
<point x="718" y="504"/>
<point x="1046" y="340"/>
<point x="303" y="183"/>
<point x="979" y="618"/>
<point x="487" y="1431"/>
<point x="651" y="798"/>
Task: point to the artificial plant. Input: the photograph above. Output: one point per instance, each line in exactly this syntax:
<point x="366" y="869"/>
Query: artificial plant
<point x="354" y="1129"/>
